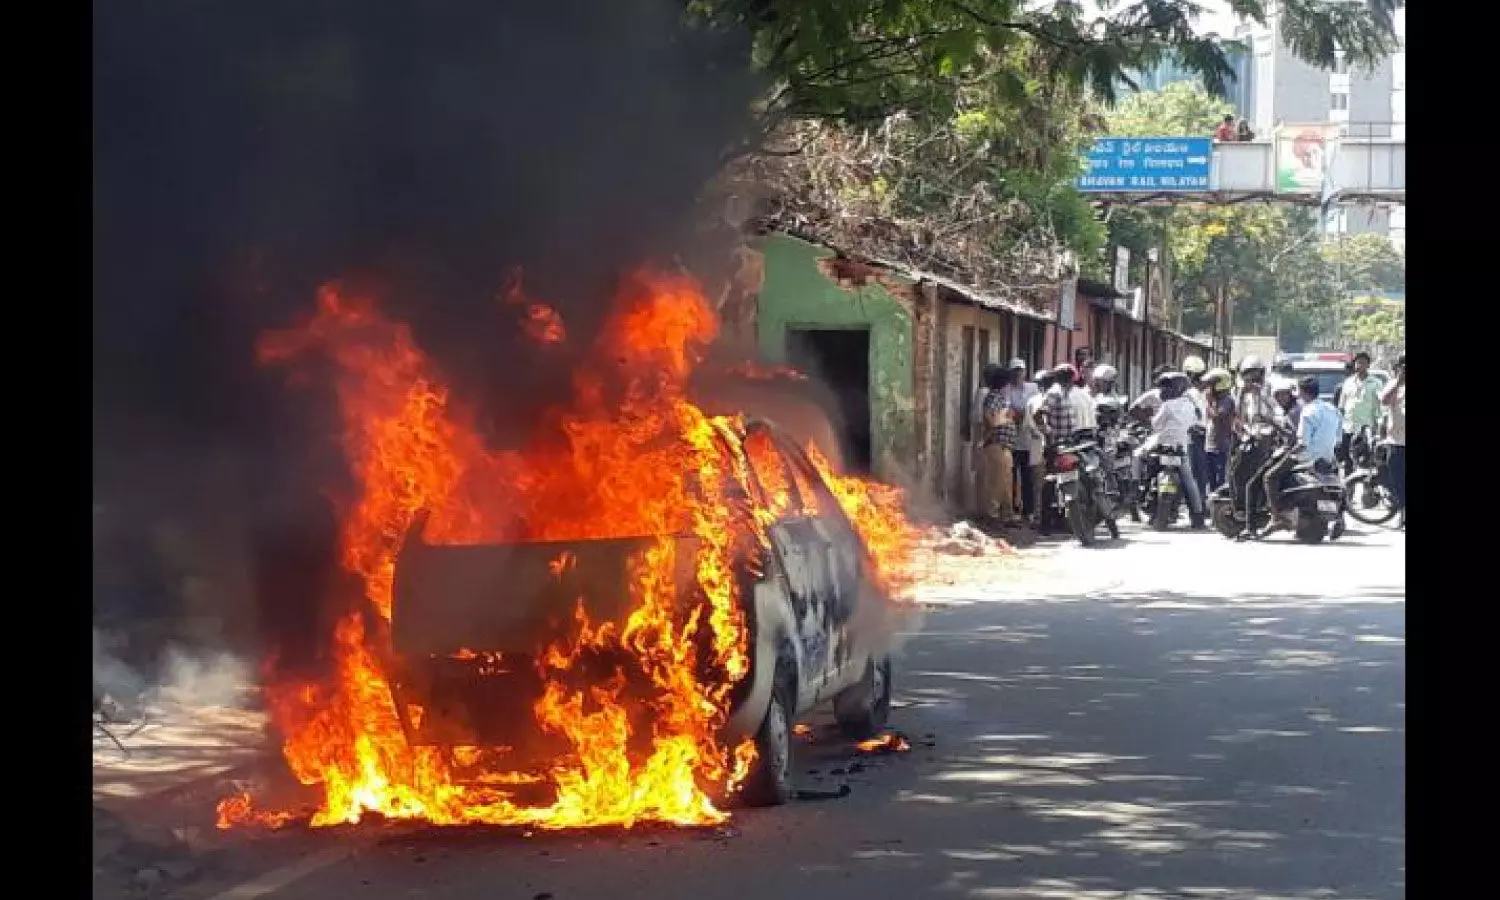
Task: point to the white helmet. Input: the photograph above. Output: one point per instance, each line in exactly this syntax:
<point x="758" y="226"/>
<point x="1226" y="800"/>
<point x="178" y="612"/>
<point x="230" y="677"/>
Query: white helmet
<point x="1105" y="373"/>
<point x="1279" y="383"/>
<point x="1194" y="366"/>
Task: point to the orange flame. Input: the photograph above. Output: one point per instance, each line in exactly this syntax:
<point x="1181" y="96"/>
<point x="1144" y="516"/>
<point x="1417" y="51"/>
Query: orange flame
<point x="630" y="456"/>
<point x="889" y="742"/>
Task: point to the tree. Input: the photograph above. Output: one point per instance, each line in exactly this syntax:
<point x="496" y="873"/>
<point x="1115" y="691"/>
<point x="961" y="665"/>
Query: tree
<point x="1367" y="263"/>
<point x="862" y="60"/>
<point x="1179" y="108"/>
<point x="984" y="195"/>
<point x="1373" y="324"/>
<point x="1264" y="260"/>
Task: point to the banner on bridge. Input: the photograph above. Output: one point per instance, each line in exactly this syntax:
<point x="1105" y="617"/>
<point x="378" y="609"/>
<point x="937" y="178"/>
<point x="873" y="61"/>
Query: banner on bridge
<point x="1302" y="156"/>
<point x="1153" y="165"/>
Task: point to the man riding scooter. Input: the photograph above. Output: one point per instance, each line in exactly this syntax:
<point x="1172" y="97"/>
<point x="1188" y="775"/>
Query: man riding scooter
<point x="1318" y="431"/>
<point x="1169" y="427"/>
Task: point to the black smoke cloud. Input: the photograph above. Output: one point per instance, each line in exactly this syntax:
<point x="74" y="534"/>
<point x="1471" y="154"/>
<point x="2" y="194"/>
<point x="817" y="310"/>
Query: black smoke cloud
<point x="246" y="152"/>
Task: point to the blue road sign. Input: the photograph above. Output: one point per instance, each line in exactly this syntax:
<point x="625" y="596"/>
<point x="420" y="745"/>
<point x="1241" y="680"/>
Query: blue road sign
<point x="1148" y="164"/>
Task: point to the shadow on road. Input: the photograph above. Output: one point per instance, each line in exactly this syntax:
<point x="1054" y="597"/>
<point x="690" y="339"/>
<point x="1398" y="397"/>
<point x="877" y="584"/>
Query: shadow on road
<point x="1124" y="746"/>
<point x="1178" y="746"/>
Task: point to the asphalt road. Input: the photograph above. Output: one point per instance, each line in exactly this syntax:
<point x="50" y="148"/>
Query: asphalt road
<point x="1181" y="717"/>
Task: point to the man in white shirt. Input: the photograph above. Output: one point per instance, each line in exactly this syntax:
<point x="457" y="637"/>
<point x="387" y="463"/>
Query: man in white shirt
<point x="1035" y="442"/>
<point x="1084" y="414"/>
<point x="1146" y="405"/>
<point x="1170" y="428"/>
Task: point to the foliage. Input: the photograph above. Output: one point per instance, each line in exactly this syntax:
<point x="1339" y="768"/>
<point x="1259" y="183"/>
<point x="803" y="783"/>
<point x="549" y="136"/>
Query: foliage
<point x="863" y="60"/>
<point x="1266" y="261"/>
<point x="1367" y="262"/>
<point x="1373" y="324"/>
<point x="1269" y="262"/>
<point x="984" y="196"/>
<point x="1178" y="108"/>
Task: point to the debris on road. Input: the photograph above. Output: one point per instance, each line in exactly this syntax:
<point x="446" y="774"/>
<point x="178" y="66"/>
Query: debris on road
<point x="965" y="539"/>
<point x="838" y="793"/>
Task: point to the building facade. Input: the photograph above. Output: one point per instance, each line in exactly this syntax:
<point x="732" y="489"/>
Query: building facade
<point x="1283" y="89"/>
<point x="902" y="352"/>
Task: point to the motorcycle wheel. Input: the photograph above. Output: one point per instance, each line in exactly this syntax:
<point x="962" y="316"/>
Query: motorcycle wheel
<point x="1224" y="522"/>
<point x="1357" y="489"/>
<point x="1311" y="530"/>
<point x="1164" y="514"/>
<point x="1078" y="520"/>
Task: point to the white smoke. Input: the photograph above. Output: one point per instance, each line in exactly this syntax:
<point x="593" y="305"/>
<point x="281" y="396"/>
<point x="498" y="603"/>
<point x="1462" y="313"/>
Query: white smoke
<point x="180" y="677"/>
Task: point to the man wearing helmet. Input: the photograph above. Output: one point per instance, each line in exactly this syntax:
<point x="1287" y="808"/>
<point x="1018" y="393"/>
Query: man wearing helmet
<point x="1317" y="433"/>
<point x="1146" y="405"/>
<point x="1193" y="367"/>
<point x="1256" y="404"/>
<point x="1170" y="427"/>
<point x="1218" y="399"/>
<point x="1059" y="412"/>
<point x="1284" y="393"/>
<point x="1102" y="383"/>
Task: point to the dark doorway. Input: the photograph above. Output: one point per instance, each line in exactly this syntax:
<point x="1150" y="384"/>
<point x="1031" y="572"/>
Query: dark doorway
<point x="840" y="359"/>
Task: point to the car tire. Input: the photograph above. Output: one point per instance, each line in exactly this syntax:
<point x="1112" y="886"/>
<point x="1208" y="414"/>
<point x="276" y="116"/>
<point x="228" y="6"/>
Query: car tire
<point x="770" y="780"/>
<point x="862" y="709"/>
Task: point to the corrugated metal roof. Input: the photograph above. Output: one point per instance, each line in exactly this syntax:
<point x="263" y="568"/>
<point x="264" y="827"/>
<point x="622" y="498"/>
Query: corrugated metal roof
<point x="977" y="297"/>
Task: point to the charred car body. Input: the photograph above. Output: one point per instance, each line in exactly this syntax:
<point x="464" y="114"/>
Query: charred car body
<point x="468" y="622"/>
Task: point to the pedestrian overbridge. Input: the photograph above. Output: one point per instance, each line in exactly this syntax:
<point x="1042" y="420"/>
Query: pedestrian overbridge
<point x="1308" y="165"/>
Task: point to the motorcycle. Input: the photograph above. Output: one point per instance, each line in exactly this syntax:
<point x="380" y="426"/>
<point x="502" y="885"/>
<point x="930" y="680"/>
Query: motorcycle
<point x="1314" y="492"/>
<point x="1162" y="482"/>
<point x="1367" y="489"/>
<point x="1078" y="492"/>
<point x="1125" y="441"/>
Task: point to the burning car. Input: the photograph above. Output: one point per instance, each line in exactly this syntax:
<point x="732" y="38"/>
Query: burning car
<point x="467" y="668"/>
<point x="612" y="619"/>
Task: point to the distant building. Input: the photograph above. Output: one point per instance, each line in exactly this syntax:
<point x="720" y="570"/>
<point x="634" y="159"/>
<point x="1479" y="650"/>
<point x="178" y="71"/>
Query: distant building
<point x="1171" y="71"/>
<point x="1283" y="89"/>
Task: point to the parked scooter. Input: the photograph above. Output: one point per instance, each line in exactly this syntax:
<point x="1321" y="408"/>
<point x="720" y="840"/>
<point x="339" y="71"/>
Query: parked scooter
<point x="1314" y="492"/>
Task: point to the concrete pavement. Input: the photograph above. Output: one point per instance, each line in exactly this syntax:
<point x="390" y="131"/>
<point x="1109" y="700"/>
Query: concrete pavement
<point x="1179" y="717"/>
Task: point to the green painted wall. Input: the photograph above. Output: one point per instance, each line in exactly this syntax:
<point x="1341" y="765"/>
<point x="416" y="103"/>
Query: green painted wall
<point x="796" y="294"/>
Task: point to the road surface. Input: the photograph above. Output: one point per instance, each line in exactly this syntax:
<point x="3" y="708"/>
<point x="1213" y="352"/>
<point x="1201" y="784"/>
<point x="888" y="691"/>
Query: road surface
<point x="1179" y="717"/>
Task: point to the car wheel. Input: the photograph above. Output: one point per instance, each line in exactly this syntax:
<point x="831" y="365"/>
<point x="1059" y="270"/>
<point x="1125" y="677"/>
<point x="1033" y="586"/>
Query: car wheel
<point x="862" y="709"/>
<point x="770" y="780"/>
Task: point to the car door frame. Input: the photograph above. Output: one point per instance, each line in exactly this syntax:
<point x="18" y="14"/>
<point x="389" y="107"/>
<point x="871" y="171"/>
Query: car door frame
<point x="805" y="560"/>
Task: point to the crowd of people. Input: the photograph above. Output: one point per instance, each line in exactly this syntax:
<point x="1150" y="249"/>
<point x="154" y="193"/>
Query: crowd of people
<point x="1018" y="419"/>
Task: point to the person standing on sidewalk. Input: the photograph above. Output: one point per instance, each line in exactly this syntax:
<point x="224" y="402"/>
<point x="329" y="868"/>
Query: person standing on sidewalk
<point x="1020" y="392"/>
<point x="999" y="442"/>
<point x="1393" y="398"/>
<point x="1359" y="404"/>
<point x="978" y="432"/>
<point x="1035" y="442"/>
